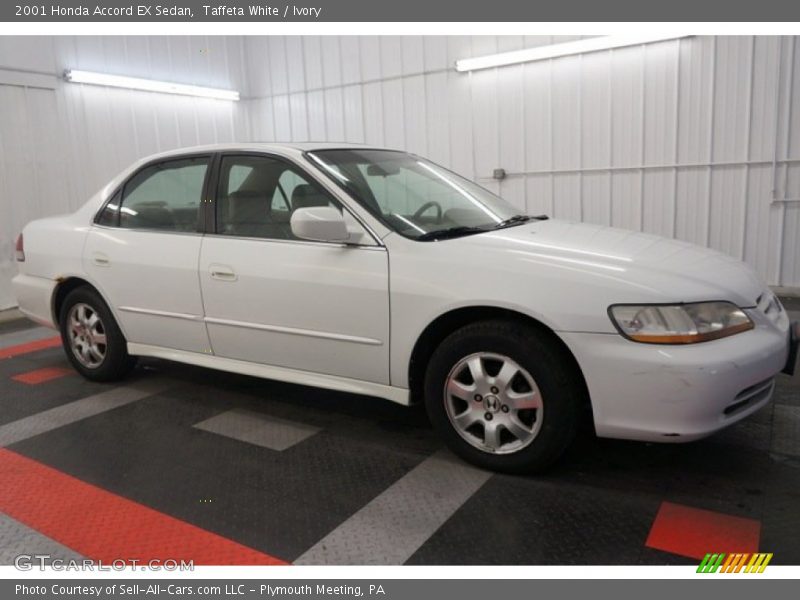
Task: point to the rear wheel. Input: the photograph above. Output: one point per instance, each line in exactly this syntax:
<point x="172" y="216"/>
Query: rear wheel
<point x="91" y="337"/>
<point x="504" y="395"/>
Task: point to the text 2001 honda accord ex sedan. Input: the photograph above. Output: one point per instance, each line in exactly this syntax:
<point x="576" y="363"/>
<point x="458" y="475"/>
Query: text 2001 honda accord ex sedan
<point x="378" y="272"/>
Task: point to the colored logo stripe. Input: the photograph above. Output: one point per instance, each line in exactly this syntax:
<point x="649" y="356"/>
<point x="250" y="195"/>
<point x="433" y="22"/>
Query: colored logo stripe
<point x="735" y="563"/>
<point x="29" y="347"/>
<point x="103" y="526"/>
<point x="710" y="563"/>
<point x="758" y="563"/>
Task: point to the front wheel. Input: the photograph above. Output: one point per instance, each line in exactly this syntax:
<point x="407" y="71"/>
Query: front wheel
<point x="91" y="337"/>
<point x="504" y="395"/>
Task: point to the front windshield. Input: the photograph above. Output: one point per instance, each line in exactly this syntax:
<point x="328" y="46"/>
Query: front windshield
<point x="412" y="196"/>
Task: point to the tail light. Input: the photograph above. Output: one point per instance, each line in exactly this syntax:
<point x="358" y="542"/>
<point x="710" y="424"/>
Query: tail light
<point x="20" y="249"/>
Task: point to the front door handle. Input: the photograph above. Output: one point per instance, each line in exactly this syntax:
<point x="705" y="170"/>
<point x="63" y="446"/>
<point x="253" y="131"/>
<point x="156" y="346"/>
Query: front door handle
<point x="222" y="273"/>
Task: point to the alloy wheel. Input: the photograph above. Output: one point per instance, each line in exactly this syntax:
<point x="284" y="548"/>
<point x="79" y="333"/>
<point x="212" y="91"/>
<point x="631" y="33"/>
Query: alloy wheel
<point x="493" y="403"/>
<point x="87" y="335"/>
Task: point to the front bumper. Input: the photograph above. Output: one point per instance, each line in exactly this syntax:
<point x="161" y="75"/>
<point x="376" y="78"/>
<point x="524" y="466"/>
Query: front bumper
<point x="679" y="393"/>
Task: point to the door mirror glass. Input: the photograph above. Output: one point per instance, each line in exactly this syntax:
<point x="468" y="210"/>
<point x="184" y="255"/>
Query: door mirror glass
<point x="319" y="224"/>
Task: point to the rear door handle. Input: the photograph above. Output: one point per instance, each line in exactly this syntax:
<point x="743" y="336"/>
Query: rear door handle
<point x="222" y="273"/>
<point x="101" y="259"/>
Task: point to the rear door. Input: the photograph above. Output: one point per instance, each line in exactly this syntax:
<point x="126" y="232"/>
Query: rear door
<point x="143" y="250"/>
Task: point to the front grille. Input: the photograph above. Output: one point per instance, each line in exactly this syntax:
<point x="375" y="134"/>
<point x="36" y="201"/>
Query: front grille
<point x="749" y="396"/>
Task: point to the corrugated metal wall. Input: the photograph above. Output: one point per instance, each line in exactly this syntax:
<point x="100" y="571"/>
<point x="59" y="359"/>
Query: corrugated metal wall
<point x="682" y="138"/>
<point x="676" y="138"/>
<point x="61" y="142"/>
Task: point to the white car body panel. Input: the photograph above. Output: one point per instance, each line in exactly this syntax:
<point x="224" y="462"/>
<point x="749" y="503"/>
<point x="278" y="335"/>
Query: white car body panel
<point x="330" y="382"/>
<point x="560" y="273"/>
<point x="311" y="306"/>
<point x="348" y="318"/>
<point x="156" y="293"/>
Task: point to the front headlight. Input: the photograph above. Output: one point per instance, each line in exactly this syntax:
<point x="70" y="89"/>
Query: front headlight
<point x="679" y="323"/>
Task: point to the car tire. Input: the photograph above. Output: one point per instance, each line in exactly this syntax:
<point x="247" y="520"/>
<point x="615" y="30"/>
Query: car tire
<point x="91" y="337"/>
<point x="522" y="410"/>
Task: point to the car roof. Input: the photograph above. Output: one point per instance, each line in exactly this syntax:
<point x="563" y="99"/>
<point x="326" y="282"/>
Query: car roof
<point x="276" y="147"/>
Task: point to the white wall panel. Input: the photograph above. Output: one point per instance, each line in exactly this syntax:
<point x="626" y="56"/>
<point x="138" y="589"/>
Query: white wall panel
<point x="416" y="122"/>
<point x="691" y="213"/>
<point x="566" y="134"/>
<point x="435" y="49"/>
<point x="538" y="129"/>
<point x="596" y="197"/>
<point x="372" y="99"/>
<point x="278" y="66"/>
<point x="370" y="60"/>
<point x="485" y="141"/>
<point x="732" y="94"/>
<point x="331" y="61"/>
<point x="762" y="112"/>
<point x="299" y="116"/>
<point x="660" y="135"/>
<point x="763" y="220"/>
<point x="312" y="48"/>
<point x="295" y="64"/>
<point x="460" y="110"/>
<point x="351" y="60"/>
<point x="438" y="121"/>
<point x="353" y="114"/>
<point x="696" y="82"/>
<point x="567" y="196"/>
<point x="595" y="87"/>
<point x="316" y="115"/>
<point x="334" y="114"/>
<point x="282" y="117"/>
<point x="391" y="56"/>
<point x="511" y="116"/>
<point x="727" y="210"/>
<point x="658" y="202"/>
<point x="539" y="194"/>
<point x="626" y="194"/>
<point x="394" y="121"/>
<point x="413" y="54"/>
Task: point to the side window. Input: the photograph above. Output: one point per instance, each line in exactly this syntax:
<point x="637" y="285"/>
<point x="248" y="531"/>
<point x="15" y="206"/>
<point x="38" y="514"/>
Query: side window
<point x="165" y="196"/>
<point x="109" y="216"/>
<point x="261" y="203"/>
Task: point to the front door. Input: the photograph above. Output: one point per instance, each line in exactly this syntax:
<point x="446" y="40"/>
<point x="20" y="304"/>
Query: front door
<point x="273" y="299"/>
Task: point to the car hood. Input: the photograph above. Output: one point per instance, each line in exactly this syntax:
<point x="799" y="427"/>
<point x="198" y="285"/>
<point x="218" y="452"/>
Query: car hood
<point x="649" y="267"/>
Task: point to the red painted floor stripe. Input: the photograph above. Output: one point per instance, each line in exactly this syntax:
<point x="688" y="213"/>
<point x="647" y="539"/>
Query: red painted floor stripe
<point x="106" y="527"/>
<point x="694" y="532"/>
<point x="29" y="347"/>
<point x="42" y="375"/>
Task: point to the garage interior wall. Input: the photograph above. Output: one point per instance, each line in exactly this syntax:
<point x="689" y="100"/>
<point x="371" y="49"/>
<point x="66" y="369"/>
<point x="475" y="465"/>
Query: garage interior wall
<point x="697" y="138"/>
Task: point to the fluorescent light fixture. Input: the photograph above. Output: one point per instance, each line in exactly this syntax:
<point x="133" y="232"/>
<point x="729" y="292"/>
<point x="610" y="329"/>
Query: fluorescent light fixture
<point x="606" y="42"/>
<point x="148" y="85"/>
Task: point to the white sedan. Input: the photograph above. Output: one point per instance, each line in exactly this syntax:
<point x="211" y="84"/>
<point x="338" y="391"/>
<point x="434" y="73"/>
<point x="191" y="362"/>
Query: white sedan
<point x="377" y="272"/>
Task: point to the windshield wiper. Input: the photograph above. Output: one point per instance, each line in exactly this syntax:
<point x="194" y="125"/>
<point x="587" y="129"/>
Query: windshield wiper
<point x="516" y="219"/>
<point x="452" y="232"/>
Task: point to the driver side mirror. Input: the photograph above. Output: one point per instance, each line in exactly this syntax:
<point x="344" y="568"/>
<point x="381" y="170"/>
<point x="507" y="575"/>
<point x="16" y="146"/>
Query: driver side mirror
<point x="319" y="224"/>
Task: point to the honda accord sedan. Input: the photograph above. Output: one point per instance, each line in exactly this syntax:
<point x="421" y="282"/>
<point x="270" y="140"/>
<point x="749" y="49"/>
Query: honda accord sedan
<point x="380" y="273"/>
